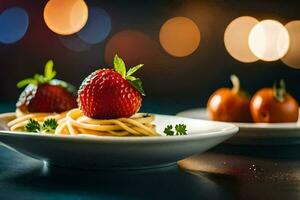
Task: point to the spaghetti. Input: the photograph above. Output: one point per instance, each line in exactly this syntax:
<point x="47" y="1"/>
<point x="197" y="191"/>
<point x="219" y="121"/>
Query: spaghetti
<point x="74" y="122"/>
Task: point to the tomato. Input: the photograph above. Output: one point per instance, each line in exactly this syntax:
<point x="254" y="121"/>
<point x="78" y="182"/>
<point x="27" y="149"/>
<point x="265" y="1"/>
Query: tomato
<point x="229" y="105"/>
<point x="274" y="105"/>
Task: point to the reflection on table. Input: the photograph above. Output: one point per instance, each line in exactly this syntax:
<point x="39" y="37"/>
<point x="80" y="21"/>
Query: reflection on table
<point x="227" y="172"/>
<point x="251" y="172"/>
<point x="23" y="177"/>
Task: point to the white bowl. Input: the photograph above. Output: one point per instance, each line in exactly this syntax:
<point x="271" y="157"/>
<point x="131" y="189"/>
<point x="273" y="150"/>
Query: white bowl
<point x="119" y="152"/>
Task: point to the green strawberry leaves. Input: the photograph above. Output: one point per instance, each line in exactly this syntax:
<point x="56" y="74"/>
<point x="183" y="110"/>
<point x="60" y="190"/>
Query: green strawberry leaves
<point x="134" y="69"/>
<point x="26" y="81"/>
<point x="120" y="67"/>
<point x="137" y="84"/>
<point x="49" y="74"/>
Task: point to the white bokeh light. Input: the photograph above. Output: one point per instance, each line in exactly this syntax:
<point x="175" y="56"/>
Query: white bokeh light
<point x="269" y="40"/>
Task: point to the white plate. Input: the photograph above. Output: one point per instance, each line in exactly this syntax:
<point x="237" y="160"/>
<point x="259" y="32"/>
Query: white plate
<point x="256" y="133"/>
<point x="119" y="152"/>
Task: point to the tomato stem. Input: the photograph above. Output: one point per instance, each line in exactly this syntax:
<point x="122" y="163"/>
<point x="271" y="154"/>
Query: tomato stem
<point x="235" y="83"/>
<point x="279" y="91"/>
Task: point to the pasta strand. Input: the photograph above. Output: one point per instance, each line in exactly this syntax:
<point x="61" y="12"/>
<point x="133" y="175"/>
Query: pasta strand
<point x="75" y="123"/>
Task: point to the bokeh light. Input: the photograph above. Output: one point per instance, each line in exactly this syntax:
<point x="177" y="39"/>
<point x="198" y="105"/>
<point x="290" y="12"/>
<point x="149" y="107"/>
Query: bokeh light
<point x="236" y="39"/>
<point x="179" y="36"/>
<point x="65" y="17"/>
<point x="74" y="43"/>
<point x="133" y="46"/>
<point x="14" y="25"/>
<point x="97" y="27"/>
<point x="292" y="58"/>
<point x="269" y="40"/>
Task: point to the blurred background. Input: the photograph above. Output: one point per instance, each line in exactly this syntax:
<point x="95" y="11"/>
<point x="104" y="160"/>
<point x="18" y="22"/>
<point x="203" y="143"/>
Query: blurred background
<point x="189" y="47"/>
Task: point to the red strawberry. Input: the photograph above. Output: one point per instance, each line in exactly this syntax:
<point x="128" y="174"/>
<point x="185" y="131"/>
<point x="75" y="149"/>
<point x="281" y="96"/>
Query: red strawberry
<point x="111" y="94"/>
<point x="45" y="94"/>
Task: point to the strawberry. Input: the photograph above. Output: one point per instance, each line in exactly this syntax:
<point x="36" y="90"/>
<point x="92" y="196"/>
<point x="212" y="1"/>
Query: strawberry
<point x="45" y="94"/>
<point x="111" y="94"/>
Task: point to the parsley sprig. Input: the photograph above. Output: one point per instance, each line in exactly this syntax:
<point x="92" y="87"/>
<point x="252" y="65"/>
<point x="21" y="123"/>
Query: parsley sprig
<point x="180" y="129"/>
<point x="120" y="67"/>
<point x="33" y="126"/>
<point x="48" y="126"/>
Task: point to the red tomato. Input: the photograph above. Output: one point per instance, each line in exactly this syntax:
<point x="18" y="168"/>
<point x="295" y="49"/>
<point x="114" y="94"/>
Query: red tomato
<point x="225" y="105"/>
<point x="265" y="107"/>
<point x="229" y="105"/>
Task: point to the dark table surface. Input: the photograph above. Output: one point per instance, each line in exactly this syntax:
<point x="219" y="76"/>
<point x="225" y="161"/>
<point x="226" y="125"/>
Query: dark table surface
<point x="225" y="172"/>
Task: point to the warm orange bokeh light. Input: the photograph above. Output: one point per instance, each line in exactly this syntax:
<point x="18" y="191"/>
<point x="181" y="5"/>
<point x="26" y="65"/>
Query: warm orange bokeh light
<point x="292" y="58"/>
<point x="66" y="17"/>
<point x="236" y="39"/>
<point x="133" y="46"/>
<point x="269" y="40"/>
<point x="179" y="36"/>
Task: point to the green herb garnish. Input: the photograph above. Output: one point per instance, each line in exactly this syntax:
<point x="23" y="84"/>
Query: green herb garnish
<point x="180" y="129"/>
<point x="49" y="125"/>
<point x="168" y="130"/>
<point x="120" y="67"/>
<point x="33" y="126"/>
